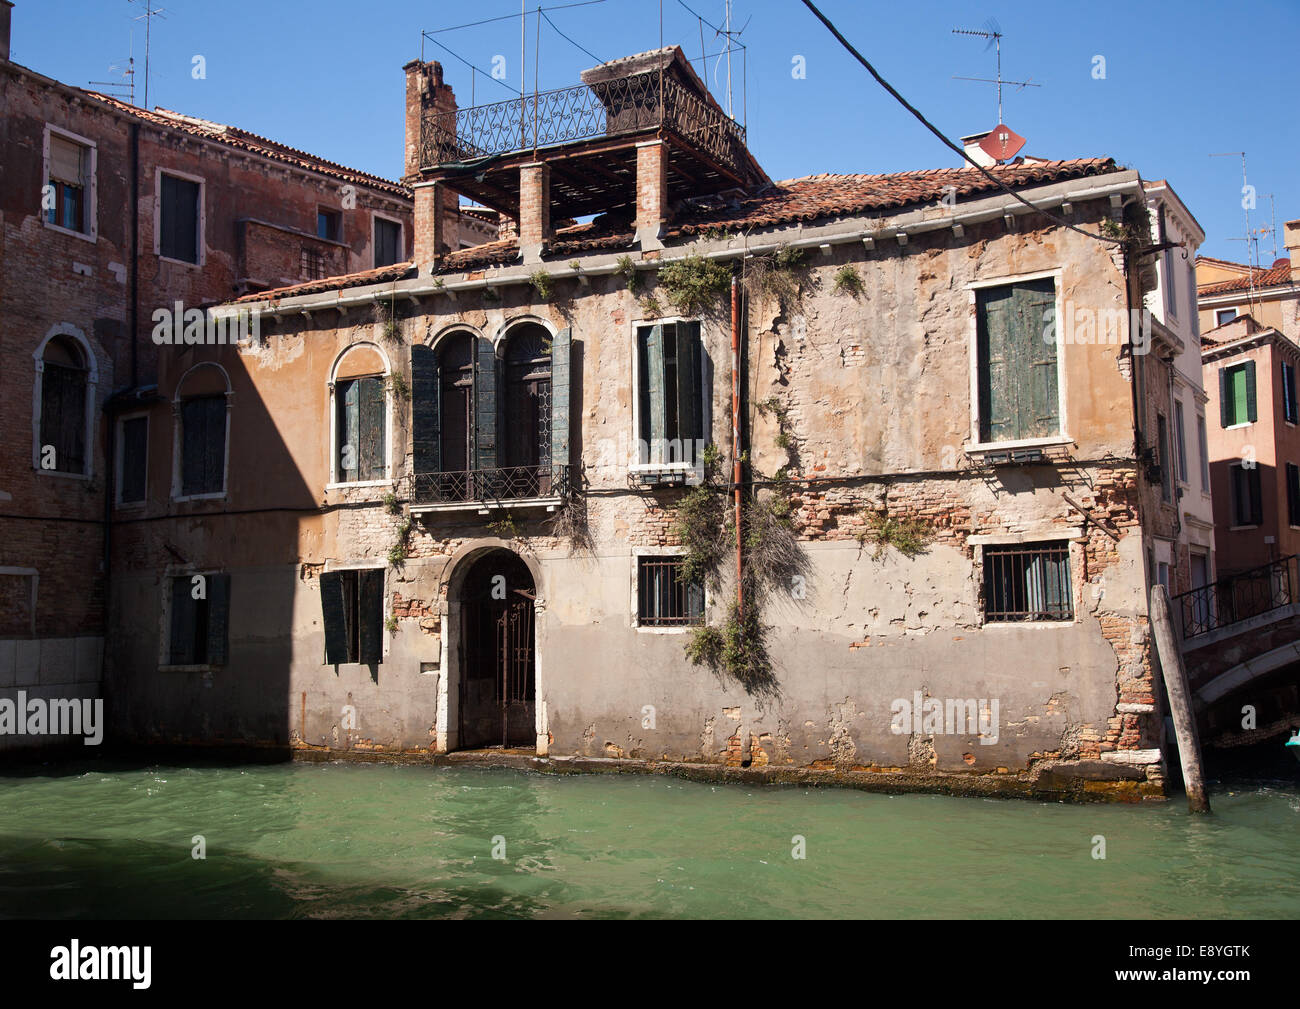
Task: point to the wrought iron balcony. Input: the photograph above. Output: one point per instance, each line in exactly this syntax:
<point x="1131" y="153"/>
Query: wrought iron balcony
<point x="1238" y="597"/>
<point x="607" y="108"/>
<point x="490" y="486"/>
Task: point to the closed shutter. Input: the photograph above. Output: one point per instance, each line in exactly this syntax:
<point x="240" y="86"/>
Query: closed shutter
<point x="1225" y="394"/>
<point x="214" y="456"/>
<point x="335" y="617"/>
<point x="181" y="652"/>
<point x="689" y="411"/>
<point x="656" y="382"/>
<point x="372" y="429"/>
<point x="1288" y="391"/>
<point x="994" y="307"/>
<point x="63" y="416"/>
<point x="370" y="616"/>
<point x="135" y="455"/>
<point x="66" y="161"/>
<point x="1038" y="404"/>
<point x="203" y="445"/>
<point x="218" y="590"/>
<point x="1251" y="414"/>
<point x="349" y="433"/>
<point x="426" y="412"/>
<point x="1293" y="494"/>
<point x="485" y="404"/>
<point x="179" y="224"/>
<point x="1256" y="497"/>
<point x="561" y="351"/>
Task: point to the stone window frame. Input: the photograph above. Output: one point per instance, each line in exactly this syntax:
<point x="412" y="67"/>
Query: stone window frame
<point x="178" y="439"/>
<point x="1063" y="437"/>
<point x="376" y="216"/>
<point x="386" y="598"/>
<point x="201" y="227"/>
<point x="34" y="576"/>
<point x="119" y="458"/>
<point x="91" y="234"/>
<point x="331" y="467"/>
<point x="1072" y="536"/>
<point x="65" y="329"/>
<point x="634" y="463"/>
<point x="634" y="600"/>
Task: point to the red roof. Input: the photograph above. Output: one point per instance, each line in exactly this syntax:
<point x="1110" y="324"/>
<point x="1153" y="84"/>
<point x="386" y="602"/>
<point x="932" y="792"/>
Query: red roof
<point x="1272" y="276"/>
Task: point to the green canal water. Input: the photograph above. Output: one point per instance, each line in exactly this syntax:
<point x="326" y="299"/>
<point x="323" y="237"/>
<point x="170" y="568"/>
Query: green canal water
<point x="335" y="840"/>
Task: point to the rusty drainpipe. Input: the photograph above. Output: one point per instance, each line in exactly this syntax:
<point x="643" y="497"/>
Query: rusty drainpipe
<point x="735" y="434"/>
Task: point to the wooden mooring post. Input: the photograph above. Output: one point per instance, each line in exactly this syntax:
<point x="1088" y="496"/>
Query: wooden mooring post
<point x="1180" y="700"/>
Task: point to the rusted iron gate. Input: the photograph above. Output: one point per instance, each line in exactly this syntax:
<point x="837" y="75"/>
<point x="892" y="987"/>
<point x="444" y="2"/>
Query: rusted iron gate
<point x="515" y="659"/>
<point x="1246" y="594"/>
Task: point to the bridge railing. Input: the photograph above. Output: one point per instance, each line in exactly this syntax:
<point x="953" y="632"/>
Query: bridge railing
<point x="1238" y="597"/>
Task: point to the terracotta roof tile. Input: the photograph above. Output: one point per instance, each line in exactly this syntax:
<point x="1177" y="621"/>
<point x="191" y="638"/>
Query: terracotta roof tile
<point x="379" y="275"/>
<point x="1272" y="276"/>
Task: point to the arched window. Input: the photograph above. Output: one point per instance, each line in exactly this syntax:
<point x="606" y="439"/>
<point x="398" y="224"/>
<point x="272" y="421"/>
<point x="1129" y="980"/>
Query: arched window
<point x="360" y="421"/>
<point x="202" y="414"/>
<point x="455" y="402"/>
<point x="528" y="396"/>
<point x="65" y="385"/>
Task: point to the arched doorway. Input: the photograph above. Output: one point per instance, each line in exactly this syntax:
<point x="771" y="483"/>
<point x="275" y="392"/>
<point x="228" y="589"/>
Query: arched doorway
<point x="497" y="681"/>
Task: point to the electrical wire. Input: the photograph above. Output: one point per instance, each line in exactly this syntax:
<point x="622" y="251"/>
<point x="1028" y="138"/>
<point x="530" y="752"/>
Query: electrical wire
<point x="935" y="130"/>
<point x="566" y="38"/>
<point x="509" y="17"/>
<point x="472" y="66"/>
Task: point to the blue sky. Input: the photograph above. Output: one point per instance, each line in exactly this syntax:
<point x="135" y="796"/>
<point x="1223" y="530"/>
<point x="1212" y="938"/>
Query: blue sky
<point x="1183" y="78"/>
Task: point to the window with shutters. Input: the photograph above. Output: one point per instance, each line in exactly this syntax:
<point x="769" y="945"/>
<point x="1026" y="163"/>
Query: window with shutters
<point x="1288" y="392"/>
<point x="1247" y="501"/>
<point x="1180" y="435"/>
<point x="663" y="597"/>
<point x="1293" y="494"/>
<point x="1237" y="394"/>
<point x="69" y="195"/>
<point x="179" y="217"/>
<point x="1016" y="362"/>
<point x="1028" y="581"/>
<point x="359" y="397"/>
<point x="489" y="426"/>
<point x="1203" y="445"/>
<point x="1167" y="269"/>
<point x="672" y="401"/>
<point x="64" y="378"/>
<point x="1165" y="459"/>
<point x="202" y="415"/>
<point x="198" y="618"/>
<point x="352" y="605"/>
<point x="388" y="242"/>
<point x="132" y="459"/>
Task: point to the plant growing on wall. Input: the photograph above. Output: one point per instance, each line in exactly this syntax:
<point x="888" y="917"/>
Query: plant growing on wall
<point x="909" y="537"/>
<point x="776" y="276"/>
<point x="695" y="284"/>
<point x="400" y="550"/>
<point x="401" y="387"/>
<point x="504" y="527"/>
<point x="627" y="270"/>
<point x="847" y="282"/>
<point x="543" y="283"/>
<point x="570" y="523"/>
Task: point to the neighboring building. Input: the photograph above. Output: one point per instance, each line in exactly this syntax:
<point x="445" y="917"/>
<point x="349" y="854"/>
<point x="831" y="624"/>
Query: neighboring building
<point x="1182" y="558"/>
<point x="110" y="213"/>
<point x="1250" y="375"/>
<point x="449" y="515"/>
<point x="1271" y="295"/>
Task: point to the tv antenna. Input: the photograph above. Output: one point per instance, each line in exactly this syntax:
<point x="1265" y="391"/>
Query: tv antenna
<point x="150" y="12"/>
<point x="729" y="32"/>
<point x="993" y="33"/>
<point x="1252" y="252"/>
<point x="126" y="83"/>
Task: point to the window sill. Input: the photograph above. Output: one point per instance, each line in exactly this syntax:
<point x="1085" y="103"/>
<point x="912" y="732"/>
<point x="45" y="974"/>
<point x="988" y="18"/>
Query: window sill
<point x="61" y="474"/>
<point x="979" y="449"/>
<point x="358" y="483"/>
<point x="217" y="496"/>
<point x="129" y="506"/>
<point x="200" y="668"/>
<point x="652" y="629"/>
<point x="1244" y="423"/>
<point x="181" y="262"/>
<point x="1027" y="623"/>
<point x="85" y="236"/>
<point x="486" y="507"/>
<point x="1240" y="529"/>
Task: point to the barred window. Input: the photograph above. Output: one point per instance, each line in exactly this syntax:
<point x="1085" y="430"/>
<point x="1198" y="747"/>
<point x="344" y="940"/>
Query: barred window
<point x="1027" y="581"/>
<point x="313" y="264"/>
<point x="664" y="597"/>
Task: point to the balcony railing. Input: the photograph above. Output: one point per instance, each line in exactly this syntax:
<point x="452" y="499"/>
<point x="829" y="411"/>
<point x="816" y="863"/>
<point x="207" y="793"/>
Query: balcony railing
<point x="487" y="486"/>
<point x="1238" y="597"/>
<point x="582" y="112"/>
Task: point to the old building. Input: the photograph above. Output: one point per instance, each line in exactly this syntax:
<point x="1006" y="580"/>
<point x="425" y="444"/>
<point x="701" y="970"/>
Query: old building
<point x="1225" y="290"/>
<point x="471" y="501"/>
<point x="116" y="222"/>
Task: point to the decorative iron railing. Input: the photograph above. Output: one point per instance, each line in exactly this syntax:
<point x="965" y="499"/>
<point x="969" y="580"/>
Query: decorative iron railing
<point x="510" y="483"/>
<point x="581" y="112"/>
<point x="1238" y="597"/>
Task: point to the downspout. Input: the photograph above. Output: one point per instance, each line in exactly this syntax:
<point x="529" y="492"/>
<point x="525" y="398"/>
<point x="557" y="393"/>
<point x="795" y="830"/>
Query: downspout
<point x="735" y="437"/>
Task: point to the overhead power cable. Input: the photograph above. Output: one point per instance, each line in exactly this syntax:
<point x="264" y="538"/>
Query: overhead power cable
<point x="935" y="130"/>
<point x="467" y="63"/>
<point x="542" y="11"/>
<point x="509" y="17"/>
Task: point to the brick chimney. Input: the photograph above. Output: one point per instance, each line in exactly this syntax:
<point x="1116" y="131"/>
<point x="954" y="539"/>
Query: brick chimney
<point x="5" y="8"/>
<point x="437" y="208"/>
<point x="1291" y="235"/>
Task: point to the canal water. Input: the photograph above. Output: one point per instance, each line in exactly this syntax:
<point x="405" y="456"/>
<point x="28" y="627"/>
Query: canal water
<point x="342" y="840"/>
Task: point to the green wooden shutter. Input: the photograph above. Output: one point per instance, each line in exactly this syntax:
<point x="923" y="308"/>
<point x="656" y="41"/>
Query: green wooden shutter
<point x="370" y="616"/>
<point x="1225" y="392"/>
<point x="1038" y="402"/>
<point x="218" y="590"/>
<point x="561" y="351"/>
<point x="689" y="425"/>
<point x="997" y="407"/>
<point x="182" y="629"/>
<point x="426" y="412"/>
<point x="334" y="615"/>
<point x="1252" y="414"/>
<point x="655" y="382"/>
<point x="371" y="429"/>
<point x="485" y="404"/>
<point x="349" y="396"/>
